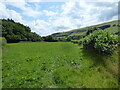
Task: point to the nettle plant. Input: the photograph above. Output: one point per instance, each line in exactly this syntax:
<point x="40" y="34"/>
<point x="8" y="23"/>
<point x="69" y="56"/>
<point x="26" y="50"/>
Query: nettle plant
<point x="101" y="41"/>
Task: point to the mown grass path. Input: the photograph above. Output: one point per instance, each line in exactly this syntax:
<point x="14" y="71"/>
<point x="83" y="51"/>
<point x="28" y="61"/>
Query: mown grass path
<point x="51" y="65"/>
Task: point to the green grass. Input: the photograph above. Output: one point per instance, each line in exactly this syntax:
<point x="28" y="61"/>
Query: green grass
<point x="112" y="29"/>
<point x="57" y="65"/>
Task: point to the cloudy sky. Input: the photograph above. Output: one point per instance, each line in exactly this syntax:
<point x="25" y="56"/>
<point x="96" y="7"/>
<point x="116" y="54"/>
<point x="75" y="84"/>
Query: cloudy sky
<point x="51" y="16"/>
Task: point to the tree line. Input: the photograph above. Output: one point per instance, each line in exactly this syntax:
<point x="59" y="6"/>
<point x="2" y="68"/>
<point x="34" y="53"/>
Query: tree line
<point x="15" y="32"/>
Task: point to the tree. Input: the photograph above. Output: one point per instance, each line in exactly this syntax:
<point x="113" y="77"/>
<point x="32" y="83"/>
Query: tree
<point x="50" y="39"/>
<point x="15" y="32"/>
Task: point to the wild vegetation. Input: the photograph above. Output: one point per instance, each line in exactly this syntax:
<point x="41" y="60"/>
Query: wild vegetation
<point x="57" y="63"/>
<point x="101" y="41"/>
<point x="3" y="41"/>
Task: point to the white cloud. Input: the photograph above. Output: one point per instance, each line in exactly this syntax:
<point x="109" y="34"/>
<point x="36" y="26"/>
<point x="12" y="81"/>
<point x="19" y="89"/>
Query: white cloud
<point x="6" y="13"/>
<point x="41" y="27"/>
<point x="73" y="14"/>
<point x="77" y="14"/>
<point x="30" y="12"/>
<point x="59" y="0"/>
<point x="85" y="14"/>
<point x="18" y="4"/>
<point x="27" y="10"/>
<point x="49" y="13"/>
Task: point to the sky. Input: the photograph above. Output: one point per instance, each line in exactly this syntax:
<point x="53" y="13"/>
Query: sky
<point x="51" y="16"/>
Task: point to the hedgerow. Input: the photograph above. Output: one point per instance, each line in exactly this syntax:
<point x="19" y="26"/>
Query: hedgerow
<point x="101" y="41"/>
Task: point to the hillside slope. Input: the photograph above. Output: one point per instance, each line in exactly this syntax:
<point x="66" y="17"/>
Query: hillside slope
<point x="81" y="32"/>
<point x="15" y="32"/>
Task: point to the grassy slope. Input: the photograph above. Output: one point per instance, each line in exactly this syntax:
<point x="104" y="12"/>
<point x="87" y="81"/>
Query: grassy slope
<point x="82" y="31"/>
<point x="58" y="64"/>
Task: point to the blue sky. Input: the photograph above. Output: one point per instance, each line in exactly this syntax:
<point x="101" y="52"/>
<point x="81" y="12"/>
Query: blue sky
<point x="38" y="6"/>
<point x="49" y="17"/>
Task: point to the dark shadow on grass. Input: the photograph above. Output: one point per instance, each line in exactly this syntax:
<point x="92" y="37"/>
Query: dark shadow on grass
<point x="100" y="60"/>
<point x="97" y="58"/>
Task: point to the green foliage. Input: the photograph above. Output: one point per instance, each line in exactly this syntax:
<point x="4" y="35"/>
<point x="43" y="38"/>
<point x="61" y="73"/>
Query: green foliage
<point x="61" y="40"/>
<point x="3" y="41"/>
<point x="50" y="39"/>
<point x="101" y="41"/>
<point x="75" y="41"/>
<point x="90" y="30"/>
<point x="68" y="39"/>
<point x="15" y="32"/>
<point x="104" y="27"/>
<point x="81" y="41"/>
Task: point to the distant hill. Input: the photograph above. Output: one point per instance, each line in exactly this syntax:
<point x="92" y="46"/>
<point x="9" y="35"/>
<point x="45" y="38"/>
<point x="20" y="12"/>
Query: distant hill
<point x="15" y="32"/>
<point x="76" y="34"/>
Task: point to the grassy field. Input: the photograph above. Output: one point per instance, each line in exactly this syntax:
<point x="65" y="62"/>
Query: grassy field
<point x="57" y="65"/>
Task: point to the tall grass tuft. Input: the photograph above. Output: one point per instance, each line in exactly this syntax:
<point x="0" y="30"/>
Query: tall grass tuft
<point x="3" y="41"/>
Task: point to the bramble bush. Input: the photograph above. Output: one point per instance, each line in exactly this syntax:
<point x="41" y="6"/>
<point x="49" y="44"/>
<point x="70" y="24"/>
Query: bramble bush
<point x="101" y="41"/>
<point x="80" y="41"/>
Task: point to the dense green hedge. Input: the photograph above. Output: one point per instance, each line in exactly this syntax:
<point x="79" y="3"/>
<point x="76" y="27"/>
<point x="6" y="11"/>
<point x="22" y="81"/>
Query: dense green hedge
<point x="101" y="41"/>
